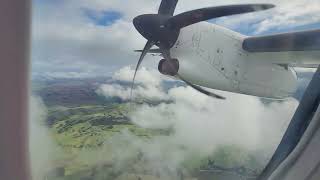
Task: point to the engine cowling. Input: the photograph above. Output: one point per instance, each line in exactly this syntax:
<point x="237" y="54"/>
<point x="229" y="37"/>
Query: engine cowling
<point x="169" y="67"/>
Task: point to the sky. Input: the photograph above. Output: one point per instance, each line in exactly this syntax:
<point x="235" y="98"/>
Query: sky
<point x="86" y="38"/>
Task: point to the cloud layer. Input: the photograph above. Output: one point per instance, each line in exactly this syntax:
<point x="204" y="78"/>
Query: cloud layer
<point x="148" y="85"/>
<point x="197" y="125"/>
<point x="42" y="148"/>
<point x="201" y="125"/>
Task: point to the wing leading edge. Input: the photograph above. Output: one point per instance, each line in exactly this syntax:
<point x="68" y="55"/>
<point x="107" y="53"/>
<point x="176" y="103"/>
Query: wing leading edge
<point x="295" y="49"/>
<point x="293" y="41"/>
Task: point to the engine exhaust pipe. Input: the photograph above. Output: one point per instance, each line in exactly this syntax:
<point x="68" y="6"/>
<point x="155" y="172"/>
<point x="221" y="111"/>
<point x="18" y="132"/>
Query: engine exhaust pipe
<point x="169" y="67"/>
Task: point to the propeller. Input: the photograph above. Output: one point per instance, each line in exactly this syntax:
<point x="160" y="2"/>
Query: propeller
<point x="163" y="29"/>
<point x="167" y="7"/>
<point x="148" y="46"/>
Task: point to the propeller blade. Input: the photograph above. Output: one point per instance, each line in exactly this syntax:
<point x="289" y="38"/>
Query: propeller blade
<point x="155" y="51"/>
<point x="191" y="17"/>
<point x="201" y="89"/>
<point x="145" y="50"/>
<point x="167" y="7"/>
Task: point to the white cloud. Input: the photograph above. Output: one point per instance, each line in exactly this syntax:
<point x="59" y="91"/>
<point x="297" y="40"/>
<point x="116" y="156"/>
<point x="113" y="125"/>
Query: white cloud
<point x="43" y="150"/>
<point x="147" y="92"/>
<point x="204" y="123"/>
<point x="196" y="117"/>
<point x="144" y="75"/>
<point x="148" y="85"/>
<point x="69" y="74"/>
<point x="292" y="15"/>
<point x="199" y="125"/>
<point x="287" y="15"/>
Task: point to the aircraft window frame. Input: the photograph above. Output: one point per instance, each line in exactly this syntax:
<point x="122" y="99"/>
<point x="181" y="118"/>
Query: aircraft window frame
<point x="293" y="134"/>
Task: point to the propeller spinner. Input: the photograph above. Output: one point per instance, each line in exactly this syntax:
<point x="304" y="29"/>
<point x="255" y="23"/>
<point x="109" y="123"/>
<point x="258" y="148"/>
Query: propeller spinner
<point x="163" y="29"/>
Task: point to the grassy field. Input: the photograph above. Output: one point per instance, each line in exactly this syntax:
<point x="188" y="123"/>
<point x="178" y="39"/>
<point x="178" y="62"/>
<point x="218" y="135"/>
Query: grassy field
<point x="83" y="129"/>
<point x="95" y="139"/>
<point x="82" y="132"/>
<point x="89" y="126"/>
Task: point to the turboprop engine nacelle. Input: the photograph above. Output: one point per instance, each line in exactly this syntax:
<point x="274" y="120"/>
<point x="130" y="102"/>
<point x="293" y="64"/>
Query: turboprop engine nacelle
<point x="169" y="67"/>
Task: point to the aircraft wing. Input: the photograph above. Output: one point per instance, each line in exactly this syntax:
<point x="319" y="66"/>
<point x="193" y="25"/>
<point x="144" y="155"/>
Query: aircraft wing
<point x="299" y="65"/>
<point x="294" y="41"/>
<point x="296" y="49"/>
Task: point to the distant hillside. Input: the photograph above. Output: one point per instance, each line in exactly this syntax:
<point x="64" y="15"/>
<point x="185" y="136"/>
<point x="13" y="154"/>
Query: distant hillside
<point x="74" y="92"/>
<point x="68" y="92"/>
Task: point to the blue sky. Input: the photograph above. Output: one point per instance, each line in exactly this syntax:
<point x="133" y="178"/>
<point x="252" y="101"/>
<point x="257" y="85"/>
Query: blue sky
<point x="104" y="18"/>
